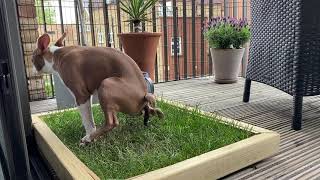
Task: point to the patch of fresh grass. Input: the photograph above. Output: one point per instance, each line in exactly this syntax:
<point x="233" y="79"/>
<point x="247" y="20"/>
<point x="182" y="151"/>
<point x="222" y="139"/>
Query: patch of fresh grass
<point x="132" y="149"/>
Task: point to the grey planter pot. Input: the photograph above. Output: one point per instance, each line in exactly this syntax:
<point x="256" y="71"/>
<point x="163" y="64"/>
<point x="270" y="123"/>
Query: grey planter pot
<point x="226" y="64"/>
<point x="64" y="97"/>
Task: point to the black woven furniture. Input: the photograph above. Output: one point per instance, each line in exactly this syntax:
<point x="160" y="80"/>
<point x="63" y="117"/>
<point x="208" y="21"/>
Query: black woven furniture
<point x="285" y="49"/>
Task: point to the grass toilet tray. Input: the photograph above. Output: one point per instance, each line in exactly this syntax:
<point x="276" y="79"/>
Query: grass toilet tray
<point x="186" y="144"/>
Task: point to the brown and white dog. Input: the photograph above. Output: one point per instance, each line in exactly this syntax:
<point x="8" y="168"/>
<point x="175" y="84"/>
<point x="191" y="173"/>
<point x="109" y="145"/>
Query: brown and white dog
<point x="84" y="70"/>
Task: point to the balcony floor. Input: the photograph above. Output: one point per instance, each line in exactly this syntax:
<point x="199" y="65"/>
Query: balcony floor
<point x="299" y="156"/>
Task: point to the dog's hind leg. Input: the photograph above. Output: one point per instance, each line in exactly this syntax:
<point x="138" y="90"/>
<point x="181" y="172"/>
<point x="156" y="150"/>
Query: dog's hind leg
<point x="108" y="125"/>
<point x="87" y="117"/>
<point x="115" y="120"/>
<point x="107" y="107"/>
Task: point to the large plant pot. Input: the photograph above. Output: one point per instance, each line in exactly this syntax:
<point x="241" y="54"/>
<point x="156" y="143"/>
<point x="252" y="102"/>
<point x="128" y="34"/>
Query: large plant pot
<point x="226" y="64"/>
<point x="142" y="48"/>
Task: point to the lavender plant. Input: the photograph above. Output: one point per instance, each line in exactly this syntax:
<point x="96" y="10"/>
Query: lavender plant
<point x="226" y="32"/>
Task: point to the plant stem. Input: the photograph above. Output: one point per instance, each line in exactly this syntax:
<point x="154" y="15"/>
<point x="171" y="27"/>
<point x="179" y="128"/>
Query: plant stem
<point x="137" y="26"/>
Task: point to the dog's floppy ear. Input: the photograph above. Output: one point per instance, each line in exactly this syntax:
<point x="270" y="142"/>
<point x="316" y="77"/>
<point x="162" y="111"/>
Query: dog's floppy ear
<point x="59" y="42"/>
<point x="43" y="42"/>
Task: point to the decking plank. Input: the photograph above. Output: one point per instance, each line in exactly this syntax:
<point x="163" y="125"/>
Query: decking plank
<point x="268" y="108"/>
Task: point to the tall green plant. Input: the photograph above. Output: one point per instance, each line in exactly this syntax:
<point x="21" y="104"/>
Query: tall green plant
<point x="49" y="12"/>
<point x="137" y="11"/>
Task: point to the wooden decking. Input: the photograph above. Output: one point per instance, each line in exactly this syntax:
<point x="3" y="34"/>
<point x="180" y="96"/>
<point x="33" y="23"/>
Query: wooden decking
<point x="299" y="156"/>
<point x="43" y="106"/>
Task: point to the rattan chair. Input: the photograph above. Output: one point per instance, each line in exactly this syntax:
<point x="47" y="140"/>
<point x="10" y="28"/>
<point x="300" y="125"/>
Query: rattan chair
<point x="285" y="49"/>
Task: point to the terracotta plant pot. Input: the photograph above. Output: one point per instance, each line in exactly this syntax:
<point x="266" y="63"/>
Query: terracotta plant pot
<point x="226" y="64"/>
<point x="142" y="48"/>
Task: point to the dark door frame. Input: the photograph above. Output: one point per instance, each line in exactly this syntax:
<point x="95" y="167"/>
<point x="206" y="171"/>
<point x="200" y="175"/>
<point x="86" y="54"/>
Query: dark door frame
<point x="16" y="136"/>
<point x="15" y="113"/>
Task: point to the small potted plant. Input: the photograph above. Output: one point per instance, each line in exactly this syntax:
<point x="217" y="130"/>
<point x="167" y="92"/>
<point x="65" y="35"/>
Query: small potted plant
<point x="140" y="46"/>
<point x="226" y="37"/>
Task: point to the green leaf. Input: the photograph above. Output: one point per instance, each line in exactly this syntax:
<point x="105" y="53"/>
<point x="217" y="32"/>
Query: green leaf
<point x="137" y="9"/>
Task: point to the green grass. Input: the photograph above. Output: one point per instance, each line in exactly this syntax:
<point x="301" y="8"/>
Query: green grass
<point x="48" y="89"/>
<point x="48" y="86"/>
<point x="132" y="149"/>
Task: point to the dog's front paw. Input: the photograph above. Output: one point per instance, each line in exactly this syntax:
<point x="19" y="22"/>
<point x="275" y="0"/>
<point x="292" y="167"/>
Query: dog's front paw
<point x="85" y="140"/>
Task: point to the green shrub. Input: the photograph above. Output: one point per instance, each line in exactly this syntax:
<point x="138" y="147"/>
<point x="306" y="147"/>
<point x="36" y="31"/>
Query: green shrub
<point x="224" y="33"/>
<point x="137" y="11"/>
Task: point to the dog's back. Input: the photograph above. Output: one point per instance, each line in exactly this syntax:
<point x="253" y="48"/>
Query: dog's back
<point x="84" y="68"/>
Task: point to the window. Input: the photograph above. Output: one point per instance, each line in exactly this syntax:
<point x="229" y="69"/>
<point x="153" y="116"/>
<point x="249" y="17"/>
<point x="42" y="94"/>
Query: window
<point x="88" y="27"/>
<point x="100" y="38"/>
<point x="169" y="10"/>
<point x="111" y="37"/>
<point x="179" y="53"/>
<point x="111" y="2"/>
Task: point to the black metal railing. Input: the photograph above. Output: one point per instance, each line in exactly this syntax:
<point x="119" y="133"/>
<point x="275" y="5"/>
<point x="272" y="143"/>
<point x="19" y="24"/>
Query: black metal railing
<point x="183" y="53"/>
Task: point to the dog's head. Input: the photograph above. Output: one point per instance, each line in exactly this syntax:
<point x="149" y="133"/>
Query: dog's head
<point x="42" y="56"/>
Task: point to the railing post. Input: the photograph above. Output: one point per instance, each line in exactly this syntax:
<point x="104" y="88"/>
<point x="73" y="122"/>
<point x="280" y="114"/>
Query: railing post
<point x="143" y="26"/>
<point x="81" y="11"/>
<point x="235" y="8"/>
<point x="131" y="26"/>
<point x="185" y="38"/>
<point x="244" y="9"/>
<point x="165" y="39"/>
<point x="175" y="41"/>
<point x="45" y="30"/>
<point x="210" y="16"/>
<point x="154" y="29"/>
<point x="226" y="7"/>
<point x="93" y="37"/>
<point x="106" y="22"/>
<point x="61" y="17"/>
<point x="77" y="21"/>
<point x="193" y="9"/>
<point x="44" y="17"/>
<point x="202" y="39"/>
<point x="119" y="22"/>
<point x="112" y="30"/>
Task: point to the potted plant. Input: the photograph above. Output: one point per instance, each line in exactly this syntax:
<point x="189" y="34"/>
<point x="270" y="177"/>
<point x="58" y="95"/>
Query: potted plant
<point x="140" y="46"/>
<point x="226" y="37"/>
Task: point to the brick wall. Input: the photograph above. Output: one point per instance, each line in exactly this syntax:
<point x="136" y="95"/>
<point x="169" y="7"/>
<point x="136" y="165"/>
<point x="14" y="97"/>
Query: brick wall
<point x="29" y="34"/>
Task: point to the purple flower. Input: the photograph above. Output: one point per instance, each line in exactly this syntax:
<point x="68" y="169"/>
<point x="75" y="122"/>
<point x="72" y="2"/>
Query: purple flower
<point x="216" y="22"/>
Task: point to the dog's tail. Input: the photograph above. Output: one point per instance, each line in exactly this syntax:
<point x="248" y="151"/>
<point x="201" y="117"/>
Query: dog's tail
<point x="150" y="108"/>
<point x="146" y="115"/>
<point x="151" y="100"/>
